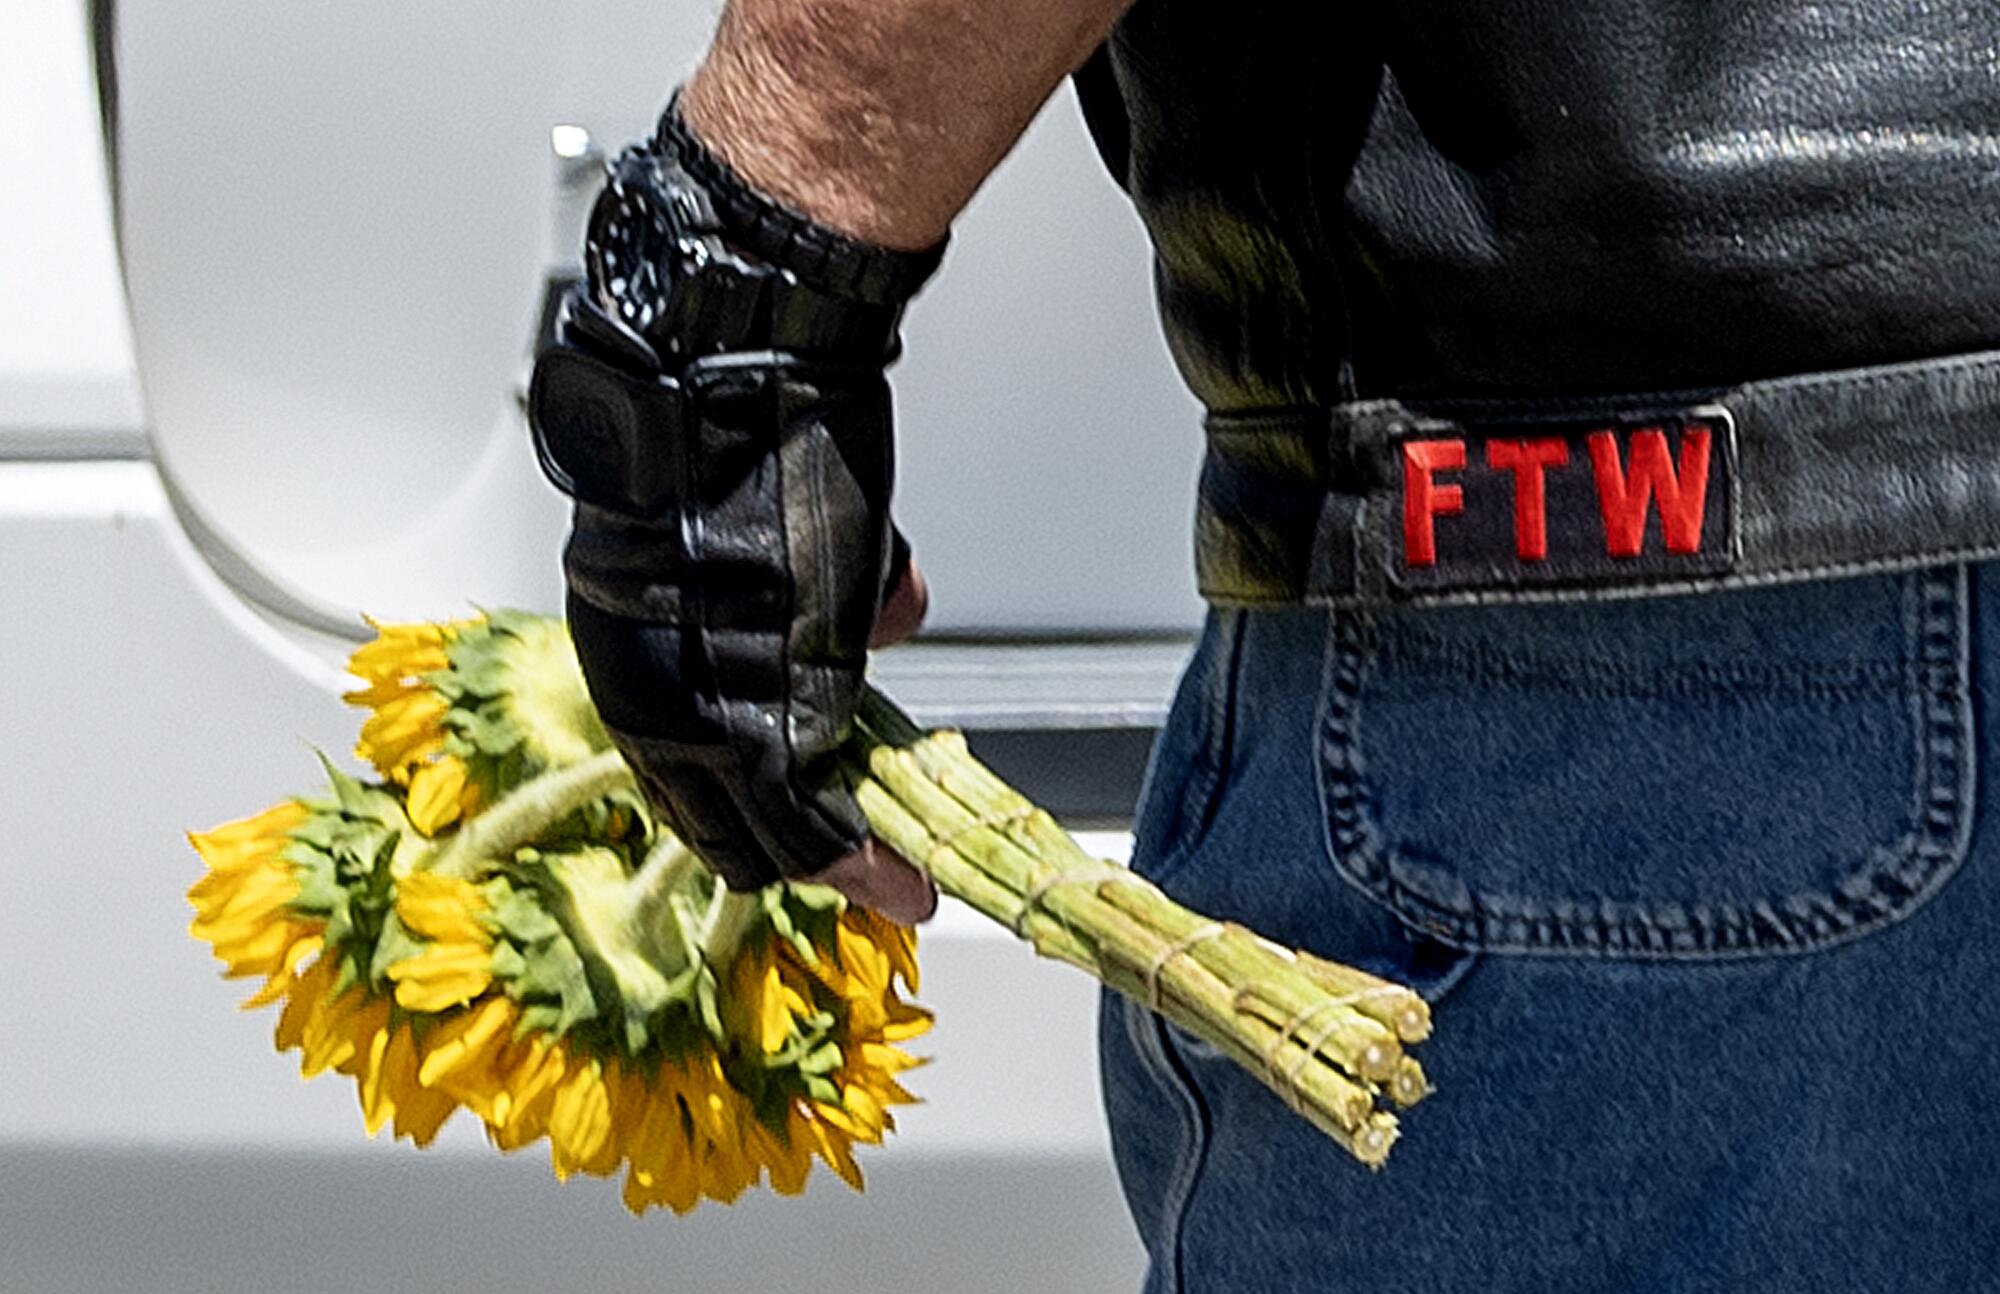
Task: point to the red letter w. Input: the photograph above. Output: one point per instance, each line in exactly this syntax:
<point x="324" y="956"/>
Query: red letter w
<point x="1623" y="498"/>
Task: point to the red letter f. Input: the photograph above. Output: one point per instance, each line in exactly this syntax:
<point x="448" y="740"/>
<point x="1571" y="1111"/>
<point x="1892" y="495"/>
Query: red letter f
<point x="1424" y="498"/>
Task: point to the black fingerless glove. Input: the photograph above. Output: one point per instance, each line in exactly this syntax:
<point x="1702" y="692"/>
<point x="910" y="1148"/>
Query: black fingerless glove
<point x="714" y="402"/>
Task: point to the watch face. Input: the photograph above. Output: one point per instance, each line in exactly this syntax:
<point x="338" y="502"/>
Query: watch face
<point x="644" y="235"/>
<point x="659" y="265"/>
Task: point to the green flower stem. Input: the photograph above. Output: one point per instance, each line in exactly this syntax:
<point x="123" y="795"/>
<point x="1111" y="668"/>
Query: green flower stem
<point x="730" y="917"/>
<point x="1288" y="1019"/>
<point x="1275" y="988"/>
<point x="671" y="872"/>
<point x="523" y="814"/>
<point x="1406" y="1014"/>
<point x="671" y="868"/>
<point x="960" y="877"/>
<point x="1183" y="991"/>
<point x="1275" y="985"/>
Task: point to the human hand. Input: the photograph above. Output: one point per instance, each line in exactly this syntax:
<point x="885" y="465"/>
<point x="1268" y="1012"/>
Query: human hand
<point x="876" y="876"/>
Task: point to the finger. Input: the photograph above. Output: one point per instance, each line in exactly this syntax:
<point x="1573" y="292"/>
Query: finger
<point x="903" y="610"/>
<point x="876" y="877"/>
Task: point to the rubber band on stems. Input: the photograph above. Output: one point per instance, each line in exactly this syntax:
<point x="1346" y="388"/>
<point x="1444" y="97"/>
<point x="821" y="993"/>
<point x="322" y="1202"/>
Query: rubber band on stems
<point x="1287" y="1083"/>
<point x="1290" y="1090"/>
<point x="1031" y="902"/>
<point x="1179" y="948"/>
<point x="995" y="822"/>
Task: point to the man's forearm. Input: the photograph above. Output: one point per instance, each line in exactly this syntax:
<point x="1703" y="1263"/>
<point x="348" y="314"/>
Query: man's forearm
<point x="880" y="118"/>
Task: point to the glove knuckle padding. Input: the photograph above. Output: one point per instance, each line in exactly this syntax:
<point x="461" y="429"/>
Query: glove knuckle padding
<point x="731" y="536"/>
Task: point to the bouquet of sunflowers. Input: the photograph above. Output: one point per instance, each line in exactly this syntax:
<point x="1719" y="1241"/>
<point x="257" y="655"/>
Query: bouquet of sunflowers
<point x="498" y="924"/>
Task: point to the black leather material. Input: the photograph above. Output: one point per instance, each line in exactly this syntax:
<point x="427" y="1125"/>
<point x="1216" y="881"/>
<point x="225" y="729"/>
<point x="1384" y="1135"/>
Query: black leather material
<point x="1459" y="200"/>
<point x="830" y="261"/>
<point x="1541" y="197"/>
<point x="725" y="429"/>
<point x="1814" y="476"/>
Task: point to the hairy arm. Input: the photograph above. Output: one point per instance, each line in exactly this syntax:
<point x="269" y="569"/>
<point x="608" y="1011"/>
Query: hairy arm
<point x="880" y="118"/>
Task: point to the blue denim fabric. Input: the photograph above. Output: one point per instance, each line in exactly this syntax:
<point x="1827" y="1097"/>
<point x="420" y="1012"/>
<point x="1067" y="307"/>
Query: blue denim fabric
<point x="1700" y="891"/>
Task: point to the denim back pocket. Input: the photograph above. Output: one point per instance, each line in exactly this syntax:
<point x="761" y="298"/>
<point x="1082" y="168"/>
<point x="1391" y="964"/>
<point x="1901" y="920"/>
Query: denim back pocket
<point x="1729" y="775"/>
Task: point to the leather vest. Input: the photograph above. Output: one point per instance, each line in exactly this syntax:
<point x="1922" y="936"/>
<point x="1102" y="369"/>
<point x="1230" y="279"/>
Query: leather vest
<point x="1539" y="198"/>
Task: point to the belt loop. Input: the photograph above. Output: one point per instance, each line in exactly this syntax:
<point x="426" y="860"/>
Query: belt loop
<point x="1333" y="567"/>
<point x="1334" y="571"/>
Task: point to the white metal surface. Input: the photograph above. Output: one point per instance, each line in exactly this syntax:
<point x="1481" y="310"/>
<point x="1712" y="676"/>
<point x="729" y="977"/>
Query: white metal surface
<point x="1034" y="685"/>
<point x="336" y="220"/>
<point x="331" y="304"/>
<point x="67" y="386"/>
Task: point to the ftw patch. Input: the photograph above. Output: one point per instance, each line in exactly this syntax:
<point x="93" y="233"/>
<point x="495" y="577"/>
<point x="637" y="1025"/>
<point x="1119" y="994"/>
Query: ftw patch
<point x="1575" y="502"/>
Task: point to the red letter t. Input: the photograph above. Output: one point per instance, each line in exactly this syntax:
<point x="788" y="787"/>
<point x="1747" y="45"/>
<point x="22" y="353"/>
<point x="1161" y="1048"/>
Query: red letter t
<point x="1527" y="459"/>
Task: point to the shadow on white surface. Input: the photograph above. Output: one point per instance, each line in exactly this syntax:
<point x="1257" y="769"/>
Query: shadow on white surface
<point x="105" y="1221"/>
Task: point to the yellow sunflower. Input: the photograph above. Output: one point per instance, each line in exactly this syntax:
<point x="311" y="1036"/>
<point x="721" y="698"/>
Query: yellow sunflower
<point x="873" y="953"/>
<point x="455" y="965"/>
<point x="441" y="793"/>
<point x="405" y="727"/>
<point x="243" y="904"/>
<point x="593" y="985"/>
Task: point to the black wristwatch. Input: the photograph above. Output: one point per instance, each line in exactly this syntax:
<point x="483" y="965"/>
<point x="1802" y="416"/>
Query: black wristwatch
<point x="686" y="262"/>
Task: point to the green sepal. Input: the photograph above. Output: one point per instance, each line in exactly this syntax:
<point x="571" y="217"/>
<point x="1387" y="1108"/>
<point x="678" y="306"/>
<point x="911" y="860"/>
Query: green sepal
<point x="707" y="1004"/>
<point x="823" y="1059"/>
<point x="552" y="970"/>
<point x="822" y="900"/>
<point x="518" y="914"/>
<point x="542" y="1017"/>
<point x="354" y="843"/>
<point x="361" y="800"/>
<point x="346" y="855"/>
<point x="518" y="704"/>
<point x="782" y="924"/>
<point x="506" y="962"/>
<point x="340" y="931"/>
<point x="805" y="916"/>
<point x="392" y="944"/>
<point x="321" y="893"/>
<point x="348" y="976"/>
<point x="487" y="733"/>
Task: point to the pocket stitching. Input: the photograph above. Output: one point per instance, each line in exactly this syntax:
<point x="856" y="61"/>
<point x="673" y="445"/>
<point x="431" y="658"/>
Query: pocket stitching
<point x="1147" y="1033"/>
<point x="1211" y="756"/>
<point x="1893" y="882"/>
<point x="1596" y="677"/>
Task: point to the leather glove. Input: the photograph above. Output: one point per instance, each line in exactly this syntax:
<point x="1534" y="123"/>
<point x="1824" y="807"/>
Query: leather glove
<point x="715" y="404"/>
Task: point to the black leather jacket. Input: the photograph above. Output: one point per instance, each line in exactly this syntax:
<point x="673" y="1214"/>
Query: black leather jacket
<point x="1441" y="198"/>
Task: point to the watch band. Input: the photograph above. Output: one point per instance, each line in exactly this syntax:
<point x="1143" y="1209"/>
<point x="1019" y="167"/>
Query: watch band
<point x="761" y="225"/>
<point x="661" y="262"/>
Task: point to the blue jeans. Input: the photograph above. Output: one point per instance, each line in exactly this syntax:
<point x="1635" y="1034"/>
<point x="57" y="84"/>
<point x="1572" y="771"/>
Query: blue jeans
<point x="1701" y="893"/>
